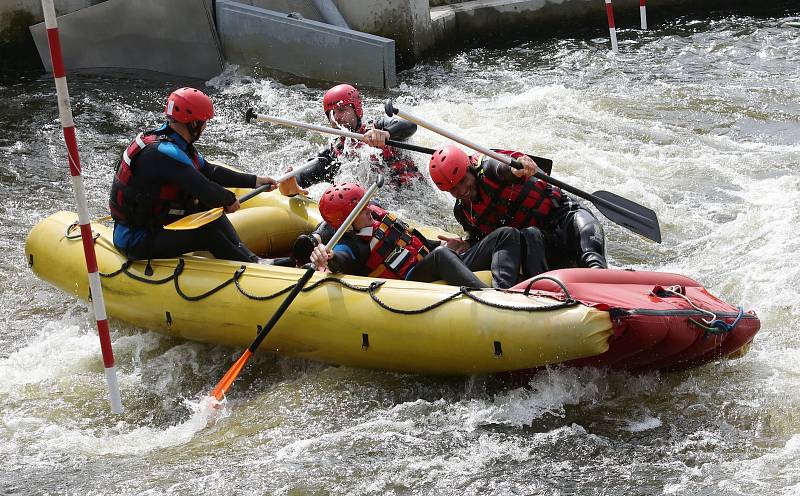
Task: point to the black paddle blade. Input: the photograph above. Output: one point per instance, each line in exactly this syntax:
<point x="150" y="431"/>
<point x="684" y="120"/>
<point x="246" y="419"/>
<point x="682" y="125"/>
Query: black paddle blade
<point x="626" y="213"/>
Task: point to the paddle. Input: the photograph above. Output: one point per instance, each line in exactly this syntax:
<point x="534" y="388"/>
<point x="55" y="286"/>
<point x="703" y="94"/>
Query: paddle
<point x="202" y="218"/>
<point x="624" y="212"/>
<point x="544" y="163"/>
<point x="227" y="380"/>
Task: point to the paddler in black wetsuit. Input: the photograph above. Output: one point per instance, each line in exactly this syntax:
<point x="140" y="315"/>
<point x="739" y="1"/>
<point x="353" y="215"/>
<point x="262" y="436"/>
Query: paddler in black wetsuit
<point x="343" y="109"/>
<point x="490" y="195"/>
<point x="162" y="177"/>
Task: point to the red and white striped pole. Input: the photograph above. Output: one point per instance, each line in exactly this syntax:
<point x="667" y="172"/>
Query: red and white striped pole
<point x="643" y="12"/>
<point x="611" y="28"/>
<point x="68" y="126"/>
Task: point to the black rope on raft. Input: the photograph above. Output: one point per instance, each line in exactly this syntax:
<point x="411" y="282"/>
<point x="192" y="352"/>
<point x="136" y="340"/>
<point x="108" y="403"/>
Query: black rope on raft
<point x="124" y="270"/>
<point x="375" y="285"/>
<point x="235" y="278"/>
<point x="211" y="291"/>
<point x="371" y="289"/>
<point x="569" y="302"/>
<point x="467" y="292"/>
<point x="327" y="280"/>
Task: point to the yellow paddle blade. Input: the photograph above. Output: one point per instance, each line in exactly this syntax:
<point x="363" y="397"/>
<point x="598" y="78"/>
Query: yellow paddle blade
<point x="227" y="380"/>
<point x="195" y="220"/>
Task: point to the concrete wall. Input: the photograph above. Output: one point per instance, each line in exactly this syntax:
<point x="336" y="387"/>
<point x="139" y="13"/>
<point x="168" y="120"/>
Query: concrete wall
<point x="305" y="8"/>
<point x="259" y="37"/>
<point x="415" y="28"/>
<point x="17" y="50"/>
<point x="497" y="21"/>
<point x="407" y="22"/>
<point x="479" y="21"/>
<point x="34" y="7"/>
<point x="139" y="34"/>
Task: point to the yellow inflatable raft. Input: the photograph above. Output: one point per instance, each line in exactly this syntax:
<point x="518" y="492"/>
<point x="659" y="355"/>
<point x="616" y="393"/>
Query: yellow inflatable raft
<point x="355" y="321"/>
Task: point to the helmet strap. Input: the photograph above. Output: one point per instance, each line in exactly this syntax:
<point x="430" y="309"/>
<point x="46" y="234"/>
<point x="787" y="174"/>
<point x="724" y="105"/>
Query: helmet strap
<point x="195" y="130"/>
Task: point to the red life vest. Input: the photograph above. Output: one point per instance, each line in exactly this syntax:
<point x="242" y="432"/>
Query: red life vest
<point x="519" y="205"/>
<point x="132" y="204"/>
<point x="394" y="246"/>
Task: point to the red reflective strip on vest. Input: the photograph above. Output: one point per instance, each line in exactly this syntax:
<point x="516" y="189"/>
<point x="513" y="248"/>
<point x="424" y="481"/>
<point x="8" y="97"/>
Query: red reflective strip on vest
<point x="124" y="173"/>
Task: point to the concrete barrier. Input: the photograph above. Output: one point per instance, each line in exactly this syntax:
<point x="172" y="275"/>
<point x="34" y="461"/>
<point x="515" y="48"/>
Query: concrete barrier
<point x="473" y="22"/>
<point x="306" y="8"/>
<point x="264" y="38"/>
<point x="499" y="20"/>
<point x="17" y="50"/>
<point x="407" y="22"/>
<point x="173" y="37"/>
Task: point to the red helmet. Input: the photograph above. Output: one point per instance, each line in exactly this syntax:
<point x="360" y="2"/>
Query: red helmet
<point x="338" y="201"/>
<point x="188" y="105"/>
<point x="448" y="167"/>
<point x="341" y="95"/>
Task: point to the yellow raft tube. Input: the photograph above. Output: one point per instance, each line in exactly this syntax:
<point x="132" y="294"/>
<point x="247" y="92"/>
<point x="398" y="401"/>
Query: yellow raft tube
<point x="348" y="320"/>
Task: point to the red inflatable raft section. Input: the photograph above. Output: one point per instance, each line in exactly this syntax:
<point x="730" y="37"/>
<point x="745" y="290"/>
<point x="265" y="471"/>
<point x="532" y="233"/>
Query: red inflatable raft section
<point x="661" y="321"/>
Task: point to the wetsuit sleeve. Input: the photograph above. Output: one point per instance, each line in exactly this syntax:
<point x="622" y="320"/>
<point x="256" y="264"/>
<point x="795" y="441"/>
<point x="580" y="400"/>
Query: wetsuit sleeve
<point x="498" y="171"/>
<point x="350" y="256"/>
<point x="325" y="171"/>
<point x="165" y="168"/>
<point x="227" y="177"/>
<point x="399" y="129"/>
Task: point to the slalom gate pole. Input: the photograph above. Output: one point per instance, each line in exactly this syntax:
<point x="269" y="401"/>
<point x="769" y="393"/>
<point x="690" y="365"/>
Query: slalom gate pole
<point x="643" y="13"/>
<point x="611" y="29"/>
<point x="68" y="126"/>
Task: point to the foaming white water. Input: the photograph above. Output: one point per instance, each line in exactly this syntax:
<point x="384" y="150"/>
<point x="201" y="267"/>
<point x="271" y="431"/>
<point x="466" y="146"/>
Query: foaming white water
<point x="761" y="234"/>
<point x="779" y="471"/>
<point x="547" y="395"/>
<point x="59" y="350"/>
<point x="49" y="383"/>
<point x="44" y="435"/>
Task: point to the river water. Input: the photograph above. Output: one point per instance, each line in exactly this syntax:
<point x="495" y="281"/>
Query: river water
<point x="699" y="120"/>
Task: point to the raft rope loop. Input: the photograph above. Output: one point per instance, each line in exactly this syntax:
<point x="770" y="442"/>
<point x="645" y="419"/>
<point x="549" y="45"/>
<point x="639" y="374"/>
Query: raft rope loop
<point x="713" y="325"/>
<point x="371" y="289"/>
<point x="548" y="278"/>
<point x="68" y="232"/>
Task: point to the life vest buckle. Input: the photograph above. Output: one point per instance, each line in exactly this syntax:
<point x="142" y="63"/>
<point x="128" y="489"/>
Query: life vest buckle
<point x="396" y="258"/>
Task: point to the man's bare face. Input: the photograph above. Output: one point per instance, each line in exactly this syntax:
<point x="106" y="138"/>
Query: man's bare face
<point x="466" y="189"/>
<point x="344" y="116"/>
